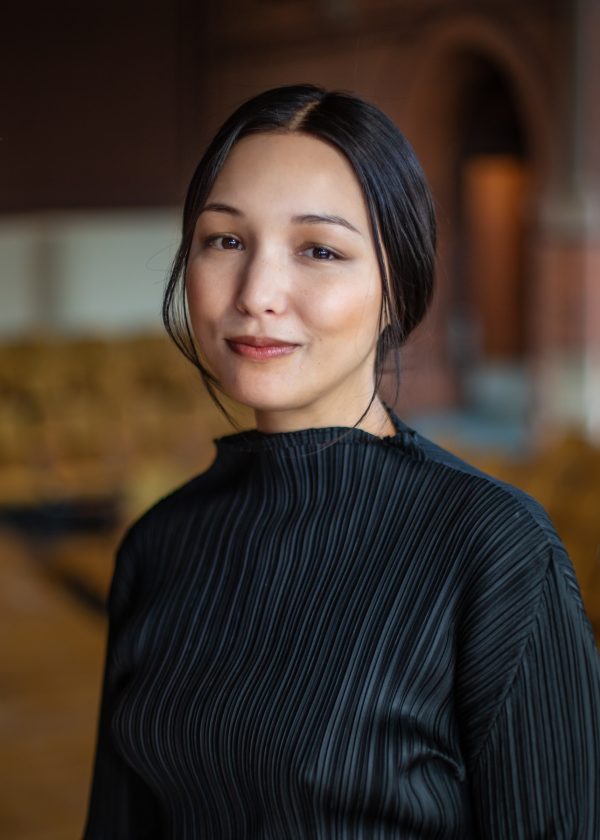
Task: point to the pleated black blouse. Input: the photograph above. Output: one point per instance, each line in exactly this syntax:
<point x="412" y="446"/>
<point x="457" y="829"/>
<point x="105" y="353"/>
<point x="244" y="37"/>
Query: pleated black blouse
<point x="330" y="635"/>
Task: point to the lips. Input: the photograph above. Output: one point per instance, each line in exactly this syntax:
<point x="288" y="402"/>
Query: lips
<point x="260" y="347"/>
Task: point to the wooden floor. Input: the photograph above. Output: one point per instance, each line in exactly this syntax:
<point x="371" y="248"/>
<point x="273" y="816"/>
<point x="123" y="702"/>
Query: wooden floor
<point x="51" y="659"/>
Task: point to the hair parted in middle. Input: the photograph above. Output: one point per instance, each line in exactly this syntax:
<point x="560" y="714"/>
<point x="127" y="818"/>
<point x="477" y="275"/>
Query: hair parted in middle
<point x="394" y="187"/>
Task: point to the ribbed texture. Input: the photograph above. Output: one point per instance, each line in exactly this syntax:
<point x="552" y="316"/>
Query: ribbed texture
<point x="330" y="635"/>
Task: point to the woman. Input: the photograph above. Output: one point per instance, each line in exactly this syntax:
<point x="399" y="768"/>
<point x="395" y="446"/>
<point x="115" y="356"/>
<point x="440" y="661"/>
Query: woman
<point x="339" y="630"/>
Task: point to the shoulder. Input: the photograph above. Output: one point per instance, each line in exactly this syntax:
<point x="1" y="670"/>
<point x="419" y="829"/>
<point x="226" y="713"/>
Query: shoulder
<point x="433" y="453"/>
<point x="505" y="548"/>
<point x="491" y="514"/>
<point x="161" y="529"/>
<point x="149" y="546"/>
<point x="509" y="552"/>
<point x="166" y="513"/>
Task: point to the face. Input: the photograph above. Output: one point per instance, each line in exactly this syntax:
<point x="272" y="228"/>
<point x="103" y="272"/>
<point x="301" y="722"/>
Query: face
<point x="283" y="283"/>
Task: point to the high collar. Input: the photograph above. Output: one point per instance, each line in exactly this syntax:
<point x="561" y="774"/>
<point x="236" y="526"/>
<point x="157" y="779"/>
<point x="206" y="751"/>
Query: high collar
<point x="314" y="439"/>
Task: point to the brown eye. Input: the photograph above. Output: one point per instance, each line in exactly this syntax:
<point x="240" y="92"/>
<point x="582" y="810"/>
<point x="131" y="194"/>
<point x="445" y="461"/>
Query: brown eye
<point x="225" y="243"/>
<point x="320" y="252"/>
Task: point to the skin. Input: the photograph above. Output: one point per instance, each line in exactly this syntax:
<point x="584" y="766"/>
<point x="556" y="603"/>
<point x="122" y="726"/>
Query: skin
<point x="262" y="264"/>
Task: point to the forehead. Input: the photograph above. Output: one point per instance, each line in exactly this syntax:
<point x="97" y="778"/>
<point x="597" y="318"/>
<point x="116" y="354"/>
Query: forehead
<point x="295" y="172"/>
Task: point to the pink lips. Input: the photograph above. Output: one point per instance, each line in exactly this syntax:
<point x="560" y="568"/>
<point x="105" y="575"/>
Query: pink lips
<point x="260" y="347"/>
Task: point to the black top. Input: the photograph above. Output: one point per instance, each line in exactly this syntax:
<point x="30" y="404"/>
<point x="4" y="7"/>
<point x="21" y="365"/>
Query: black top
<point x="330" y="635"/>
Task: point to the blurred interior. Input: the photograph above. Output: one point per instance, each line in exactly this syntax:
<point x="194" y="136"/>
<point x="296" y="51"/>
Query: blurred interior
<point x="106" y="111"/>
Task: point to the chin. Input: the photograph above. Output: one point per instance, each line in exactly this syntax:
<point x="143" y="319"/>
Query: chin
<point x="266" y="404"/>
<point x="264" y="398"/>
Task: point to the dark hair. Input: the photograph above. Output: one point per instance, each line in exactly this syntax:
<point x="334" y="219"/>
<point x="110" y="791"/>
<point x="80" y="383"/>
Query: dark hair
<point x="398" y="200"/>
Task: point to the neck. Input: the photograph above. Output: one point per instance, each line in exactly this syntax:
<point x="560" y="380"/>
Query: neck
<point x="376" y="421"/>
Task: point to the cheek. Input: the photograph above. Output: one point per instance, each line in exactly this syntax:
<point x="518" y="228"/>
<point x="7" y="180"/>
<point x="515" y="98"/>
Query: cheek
<point x="346" y="309"/>
<point x="206" y="300"/>
<point x="191" y="295"/>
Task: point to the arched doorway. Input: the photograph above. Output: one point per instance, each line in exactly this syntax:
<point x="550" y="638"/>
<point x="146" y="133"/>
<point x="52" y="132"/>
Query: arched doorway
<point x="489" y="304"/>
<point x="477" y="115"/>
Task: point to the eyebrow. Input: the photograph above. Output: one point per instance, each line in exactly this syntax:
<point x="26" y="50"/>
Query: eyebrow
<point x="320" y="218"/>
<point x="304" y="218"/>
<point x="217" y="207"/>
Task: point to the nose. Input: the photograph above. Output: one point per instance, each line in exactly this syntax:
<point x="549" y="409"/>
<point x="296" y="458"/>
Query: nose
<point x="261" y="286"/>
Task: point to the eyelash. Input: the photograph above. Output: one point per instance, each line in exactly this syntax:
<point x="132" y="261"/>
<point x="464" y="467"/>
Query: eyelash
<point x="334" y="255"/>
<point x="212" y="241"/>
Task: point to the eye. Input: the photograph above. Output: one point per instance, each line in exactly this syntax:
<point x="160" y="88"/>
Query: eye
<point x="320" y="252"/>
<point x="223" y="242"/>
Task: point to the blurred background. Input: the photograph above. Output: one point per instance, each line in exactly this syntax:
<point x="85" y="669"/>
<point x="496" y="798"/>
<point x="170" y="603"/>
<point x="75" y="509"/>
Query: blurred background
<point x="106" y="108"/>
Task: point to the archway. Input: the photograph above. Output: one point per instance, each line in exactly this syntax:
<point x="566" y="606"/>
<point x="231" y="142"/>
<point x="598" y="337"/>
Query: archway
<point x="489" y="305"/>
<point x="477" y="115"/>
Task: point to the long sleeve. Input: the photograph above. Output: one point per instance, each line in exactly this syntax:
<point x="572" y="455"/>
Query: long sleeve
<point x="537" y="771"/>
<point x="121" y="806"/>
<point x="338" y="642"/>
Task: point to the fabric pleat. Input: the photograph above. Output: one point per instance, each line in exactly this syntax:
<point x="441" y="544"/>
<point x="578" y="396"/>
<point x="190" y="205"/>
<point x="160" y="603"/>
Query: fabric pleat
<point x="332" y="636"/>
